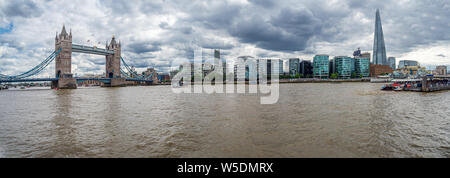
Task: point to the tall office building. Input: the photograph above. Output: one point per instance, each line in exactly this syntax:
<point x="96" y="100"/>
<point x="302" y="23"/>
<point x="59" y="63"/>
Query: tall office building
<point x="332" y="66"/>
<point x="366" y="55"/>
<point x="280" y="66"/>
<point x="391" y="61"/>
<point x="379" y="49"/>
<point x="294" y="66"/>
<point x="321" y="67"/>
<point x="248" y="62"/>
<point x="362" y="66"/>
<point x="223" y="61"/>
<point x="306" y="68"/>
<point x="344" y="66"/>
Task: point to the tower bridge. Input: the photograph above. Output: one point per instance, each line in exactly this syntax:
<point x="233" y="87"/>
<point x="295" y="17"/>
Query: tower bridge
<point x="114" y="75"/>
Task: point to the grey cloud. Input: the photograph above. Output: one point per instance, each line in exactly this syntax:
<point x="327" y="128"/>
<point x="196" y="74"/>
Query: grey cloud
<point x="97" y="62"/>
<point x="215" y="44"/>
<point x="20" y="8"/>
<point x="143" y="47"/>
<point x="163" y="25"/>
<point x="264" y="3"/>
<point x="213" y="14"/>
<point x="290" y="30"/>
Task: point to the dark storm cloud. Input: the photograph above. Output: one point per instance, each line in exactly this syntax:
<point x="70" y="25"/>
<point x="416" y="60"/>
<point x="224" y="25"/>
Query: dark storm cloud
<point x="289" y="30"/>
<point x="212" y="14"/>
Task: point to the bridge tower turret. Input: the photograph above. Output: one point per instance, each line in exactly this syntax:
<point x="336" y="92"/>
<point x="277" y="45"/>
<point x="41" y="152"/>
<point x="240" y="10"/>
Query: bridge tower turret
<point x="63" y="61"/>
<point x="113" y="63"/>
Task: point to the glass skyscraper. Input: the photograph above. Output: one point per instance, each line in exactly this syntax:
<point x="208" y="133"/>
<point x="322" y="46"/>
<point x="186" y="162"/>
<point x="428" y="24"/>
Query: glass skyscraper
<point x="280" y="66"/>
<point x="294" y="66"/>
<point x="321" y="66"/>
<point x="345" y="66"/>
<point x="362" y="66"/>
<point x="379" y="49"/>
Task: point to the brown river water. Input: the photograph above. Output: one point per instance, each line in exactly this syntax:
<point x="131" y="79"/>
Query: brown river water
<point x="309" y="120"/>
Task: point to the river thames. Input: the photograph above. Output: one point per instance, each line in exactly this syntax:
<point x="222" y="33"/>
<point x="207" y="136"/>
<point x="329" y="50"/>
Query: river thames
<point x="309" y="120"/>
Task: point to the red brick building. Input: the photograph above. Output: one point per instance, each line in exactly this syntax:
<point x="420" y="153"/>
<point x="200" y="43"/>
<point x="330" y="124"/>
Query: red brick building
<point x="377" y="69"/>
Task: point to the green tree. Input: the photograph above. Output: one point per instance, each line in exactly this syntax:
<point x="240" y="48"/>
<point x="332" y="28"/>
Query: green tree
<point x="334" y="76"/>
<point x="298" y="76"/>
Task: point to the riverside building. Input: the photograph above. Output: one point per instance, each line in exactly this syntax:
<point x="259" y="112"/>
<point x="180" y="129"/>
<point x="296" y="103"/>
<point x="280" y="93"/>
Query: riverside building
<point x="344" y="66"/>
<point x="321" y="66"/>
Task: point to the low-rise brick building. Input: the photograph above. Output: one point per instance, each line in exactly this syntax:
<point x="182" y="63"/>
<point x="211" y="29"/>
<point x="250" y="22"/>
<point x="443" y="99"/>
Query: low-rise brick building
<point x="378" y="69"/>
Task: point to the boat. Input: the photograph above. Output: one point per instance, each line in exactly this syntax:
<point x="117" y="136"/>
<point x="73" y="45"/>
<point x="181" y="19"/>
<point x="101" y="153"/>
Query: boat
<point x="387" y="87"/>
<point x="398" y="88"/>
<point x="392" y="86"/>
<point x="402" y="84"/>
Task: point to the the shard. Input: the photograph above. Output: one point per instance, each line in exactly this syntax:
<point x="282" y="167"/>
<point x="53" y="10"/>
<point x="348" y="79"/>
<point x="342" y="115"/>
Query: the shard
<point x="379" y="49"/>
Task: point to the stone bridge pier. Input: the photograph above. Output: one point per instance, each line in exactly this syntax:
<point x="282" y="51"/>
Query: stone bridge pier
<point x="63" y="61"/>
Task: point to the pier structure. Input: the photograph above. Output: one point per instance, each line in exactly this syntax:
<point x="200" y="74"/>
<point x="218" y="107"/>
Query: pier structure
<point x="435" y="83"/>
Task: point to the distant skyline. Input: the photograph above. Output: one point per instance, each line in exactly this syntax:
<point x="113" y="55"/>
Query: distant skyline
<point x="155" y="32"/>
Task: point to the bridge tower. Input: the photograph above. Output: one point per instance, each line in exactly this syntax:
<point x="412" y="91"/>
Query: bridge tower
<point x="63" y="61"/>
<point x="113" y="64"/>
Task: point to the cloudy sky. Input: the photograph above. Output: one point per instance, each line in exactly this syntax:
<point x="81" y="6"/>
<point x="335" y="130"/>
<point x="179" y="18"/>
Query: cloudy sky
<point x="154" y="33"/>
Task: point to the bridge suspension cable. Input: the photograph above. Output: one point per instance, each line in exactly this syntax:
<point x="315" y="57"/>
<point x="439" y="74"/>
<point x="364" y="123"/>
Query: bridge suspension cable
<point x="35" y="70"/>
<point x="131" y="73"/>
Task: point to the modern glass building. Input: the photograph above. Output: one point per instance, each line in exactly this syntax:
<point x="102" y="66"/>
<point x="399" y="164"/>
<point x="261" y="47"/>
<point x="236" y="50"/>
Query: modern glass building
<point x="280" y="66"/>
<point x="379" y="48"/>
<point x="306" y="68"/>
<point x="332" y="66"/>
<point x="362" y="66"/>
<point x="223" y="61"/>
<point x="344" y="66"/>
<point x="407" y="63"/>
<point x="294" y="66"/>
<point x="321" y="66"/>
